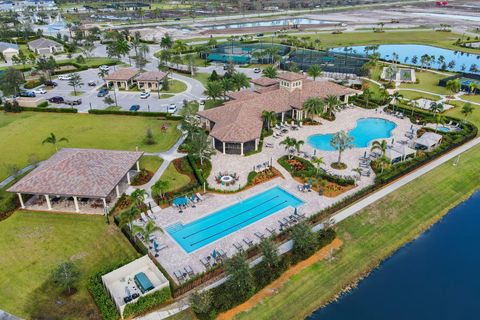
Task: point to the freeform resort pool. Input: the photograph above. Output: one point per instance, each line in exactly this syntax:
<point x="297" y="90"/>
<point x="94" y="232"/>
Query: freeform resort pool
<point x="203" y="231"/>
<point x="366" y="130"/>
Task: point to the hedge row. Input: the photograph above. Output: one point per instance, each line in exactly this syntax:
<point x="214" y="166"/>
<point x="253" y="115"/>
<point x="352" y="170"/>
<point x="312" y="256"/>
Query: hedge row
<point x="41" y="108"/>
<point x="145" y="303"/>
<point x="165" y="115"/>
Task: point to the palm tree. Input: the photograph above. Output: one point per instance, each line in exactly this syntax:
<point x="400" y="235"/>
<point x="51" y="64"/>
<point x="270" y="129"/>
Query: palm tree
<point x="180" y="46"/>
<point x="453" y="85"/>
<point x="314" y="71"/>
<point x="298" y="144"/>
<point x="380" y="145"/>
<point x="394" y="98"/>
<point x="128" y="216"/>
<point x="240" y="80"/>
<point x="341" y="141"/>
<point x="367" y="93"/>
<point x="440" y="119"/>
<point x="138" y="197"/>
<point x="270" y="72"/>
<point x="269" y="117"/>
<point x="289" y="143"/>
<point x="214" y="90"/>
<point x="75" y="81"/>
<point x="473" y="86"/>
<point x="466" y="110"/>
<point x="359" y="171"/>
<point x="159" y="188"/>
<point x="314" y="106"/>
<point x="149" y="228"/>
<point x="332" y="102"/>
<point x="102" y="74"/>
<point x="436" y="108"/>
<point x="52" y="139"/>
<point x="318" y="161"/>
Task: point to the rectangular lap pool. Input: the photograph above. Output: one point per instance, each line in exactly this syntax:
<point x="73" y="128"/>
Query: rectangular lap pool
<point x="201" y="232"/>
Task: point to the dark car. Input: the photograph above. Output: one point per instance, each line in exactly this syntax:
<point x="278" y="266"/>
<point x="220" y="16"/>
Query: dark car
<point x="56" y="99"/>
<point x="91" y="83"/>
<point x="102" y="92"/>
<point x="73" y="102"/>
<point x="177" y="19"/>
<point x="50" y="83"/>
<point x="135" y="107"/>
<point x="259" y="34"/>
<point x="28" y="94"/>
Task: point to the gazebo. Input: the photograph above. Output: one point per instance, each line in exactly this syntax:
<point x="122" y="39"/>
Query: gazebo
<point x="79" y="180"/>
<point x="428" y="141"/>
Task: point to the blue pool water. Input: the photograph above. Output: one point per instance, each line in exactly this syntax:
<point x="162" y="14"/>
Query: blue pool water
<point x="201" y="232"/>
<point x="271" y="23"/>
<point x="367" y="129"/>
<point x="462" y="61"/>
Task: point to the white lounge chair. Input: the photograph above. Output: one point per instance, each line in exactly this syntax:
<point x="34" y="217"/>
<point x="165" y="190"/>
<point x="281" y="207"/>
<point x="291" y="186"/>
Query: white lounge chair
<point x="199" y="196"/>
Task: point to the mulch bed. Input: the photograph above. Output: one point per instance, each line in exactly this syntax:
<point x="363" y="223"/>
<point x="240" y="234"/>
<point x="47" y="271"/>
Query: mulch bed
<point x="143" y="177"/>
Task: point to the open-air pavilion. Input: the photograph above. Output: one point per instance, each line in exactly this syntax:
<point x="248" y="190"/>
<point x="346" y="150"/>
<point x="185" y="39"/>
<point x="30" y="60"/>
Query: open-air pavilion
<point x="78" y="180"/>
<point x="399" y="152"/>
<point x="428" y="141"/>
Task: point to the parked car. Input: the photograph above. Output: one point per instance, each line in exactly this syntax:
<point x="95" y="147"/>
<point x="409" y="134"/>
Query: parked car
<point x="102" y="92"/>
<point x="259" y="34"/>
<point x="65" y="77"/>
<point x="50" y="83"/>
<point x="225" y="67"/>
<point x="104" y="68"/>
<point x="29" y="94"/>
<point x="257" y="70"/>
<point x="56" y="99"/>
<point x="202" y="102"/>
<point x="135" y="107"/>
<point x="172" y="108"/>
<point x="177" y="19"/>
<point x="91" y="83"/>
<point x="40" y="91"/>
<point x="144" y="95"/>
<point x="73" y="102"/>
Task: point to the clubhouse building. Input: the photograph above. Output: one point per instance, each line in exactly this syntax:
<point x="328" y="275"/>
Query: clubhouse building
<point x="236" y="126"/>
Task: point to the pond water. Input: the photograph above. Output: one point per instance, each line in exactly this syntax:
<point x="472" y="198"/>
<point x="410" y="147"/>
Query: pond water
<point x="434" y="277"/>
<point x="406" y="52"/>
<point x="366" y="130"/>
<point x="270" y="23"/>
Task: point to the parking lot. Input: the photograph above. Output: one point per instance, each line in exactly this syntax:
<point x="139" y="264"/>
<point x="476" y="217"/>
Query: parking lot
<point x="125" y="99"/>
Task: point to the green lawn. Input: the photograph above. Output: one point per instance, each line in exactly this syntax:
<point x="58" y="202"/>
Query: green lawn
<point x="93" y="62"/>
<point x="21" y="135"/>
<point x="413" y="95"/>
<point x="472" y="98"/>
<point x="371" y="236"/>
<point x="202" y="77"/>
<point x="34" y="243"/>
<point x="176" y="86"/>
<point x="150" y="163"/>
<point x="428" y="82"/>
<point x="176" y="180"/>
<point x="456" y="112"/>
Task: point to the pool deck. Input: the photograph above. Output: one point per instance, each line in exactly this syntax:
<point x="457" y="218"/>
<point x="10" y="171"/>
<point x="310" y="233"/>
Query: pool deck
<point x="175" y="258"/>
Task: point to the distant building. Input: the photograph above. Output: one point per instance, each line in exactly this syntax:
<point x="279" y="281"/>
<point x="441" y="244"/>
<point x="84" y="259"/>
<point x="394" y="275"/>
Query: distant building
<point x="8" y="50"/>
<point x="44" y="46"/>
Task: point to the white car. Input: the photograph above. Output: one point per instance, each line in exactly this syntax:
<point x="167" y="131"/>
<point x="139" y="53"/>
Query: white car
<point x="65" y="77"/>
<point x="172" y="108"/>
<point x="257" y="70"/>
<point x="104" y="68"/>
<point x="40" y="91"/>
<point x="144" y="95"/>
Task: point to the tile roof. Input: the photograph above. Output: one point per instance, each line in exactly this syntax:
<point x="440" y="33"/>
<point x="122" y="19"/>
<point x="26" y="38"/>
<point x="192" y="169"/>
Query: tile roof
<point x="242" y="95"/>
<point x="264" y="81"/>
<point x="89" y="173"/>
<point x="151" y="76"/>
<point x="240" y="120"/>
<point x="43" y="43"/>
<point x="290" y="76"/>
<point x="124" y="74"/>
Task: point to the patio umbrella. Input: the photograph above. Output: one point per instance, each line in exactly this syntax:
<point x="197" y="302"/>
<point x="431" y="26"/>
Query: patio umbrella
<point x="295" y="211"/>
<point x="365" y="154"/>
<point x="393" y="140"/>
<point x="314" y="152"/>
<point x="214" y="253"/>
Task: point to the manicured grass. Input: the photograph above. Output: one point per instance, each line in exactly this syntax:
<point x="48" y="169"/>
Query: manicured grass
<point x="93" y="62"/>
<point x="176" y="180"/>
<point x="373" y="235"/>
<point x="474" y="117"/>
<point x="413" y="95"/>
<point x="150" y="163"/>
<point x="472" y="98"/>
<point x="34" y="243"/>
<point x="22" y="134"/>
<point x="183" y="315"/>
<point x="428" y="82"/>
<point x="176" y="86"/>
<point x="202" y="77"/>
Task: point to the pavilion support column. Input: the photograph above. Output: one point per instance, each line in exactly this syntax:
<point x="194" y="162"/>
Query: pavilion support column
<point x="75" y="201"/>
<point x="104" y="203"/>
<point x="128" y="178"/>
<point x="213" y="142"/>
<point x="138" y="166"/>
<point x="345" y="99"/>
<point x="283" y="116"/>
<point x="223" y="147"/>
<point x="241" y="148"/>
<point x="49" y="205"/>
<point x="256" y="144"/>
<point x="117" y="190"/>
<point x="22" y="205"/>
